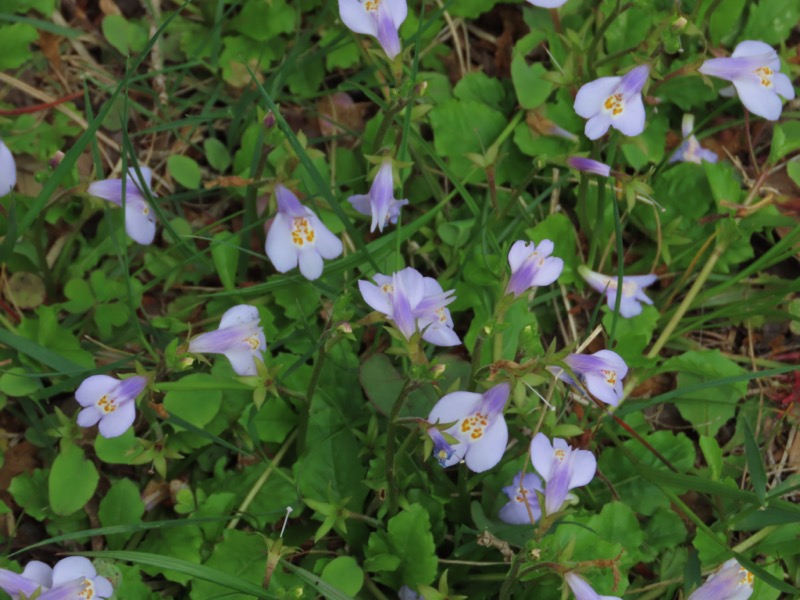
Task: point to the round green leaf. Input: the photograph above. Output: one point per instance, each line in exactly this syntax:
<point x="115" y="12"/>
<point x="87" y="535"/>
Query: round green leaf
<point x="344" y="573"/>
<point x="72" y="481"/>
<point x="184" y="170"/>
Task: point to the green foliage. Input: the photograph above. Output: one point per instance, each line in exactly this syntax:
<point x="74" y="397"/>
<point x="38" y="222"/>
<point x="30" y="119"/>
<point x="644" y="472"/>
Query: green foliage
<point x="72" y="481"/>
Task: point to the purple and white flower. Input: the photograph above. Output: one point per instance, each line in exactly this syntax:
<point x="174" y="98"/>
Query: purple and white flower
<point x="414" y="303"/>
<point x="523" y="503"/>
<point x="562" y="469"/>
<point x="479" y="428"/>
<point x="754" y="69"/>
<point x="140" y="222"/>
<point x="110" y="401"/>
<point x="532" y="265"/>
<point x="730" y="582"/>
<point x="239" y="337"/>
<point x="632" y="290"/>
<point x="587" y="165"/>
<point x="582" y="590"/>
<point x="691" y="150"/>
<point x="297" y="236"/>
<point x="600" y="373"/>
<point x="73" y="578"/>
<point x="548" y="3"/>
<point x="379" y="18"/>
<point x="613" y="102"/>
<point x="380" y="203"/>
<point x="8" y="170"/>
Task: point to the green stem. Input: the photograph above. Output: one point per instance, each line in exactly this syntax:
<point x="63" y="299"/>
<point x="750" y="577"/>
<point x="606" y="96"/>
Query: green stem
<point x="391" y="484"/>
<point x="591" y="54"/>
<point x="505" y="589"/>
<point x="477" y="352"/>
<point x="388" y="117"/>
<point x="251" y="495"/>
<point x="305" y="404"/>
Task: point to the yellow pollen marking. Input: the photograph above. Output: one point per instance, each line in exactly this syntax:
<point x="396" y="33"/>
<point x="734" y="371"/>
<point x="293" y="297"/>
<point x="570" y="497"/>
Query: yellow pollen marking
<point x="765" y="74"/>
<point x="614" y="104"/>
<point x="106" y="404"/>
<point x="372" y="5"/>
<point x="387" y="288"/>
<point x="302" y="232"/>
<point x="146" y="210"/>
<point x="475" y="425"/>
<point x="611" y="376"/>
<point x="253" y="342"/>
<point x="442" y="316"/>
<point x="746" y="577"/>
<point x="560" y="454"/>
<point x="88" y="590"/>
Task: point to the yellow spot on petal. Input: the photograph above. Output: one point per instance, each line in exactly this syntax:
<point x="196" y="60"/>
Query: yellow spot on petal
<point x="106" y="404"/>
<point x="302" y="232"/>
<point x="372" y="5"/>
<point x="253" y="342"/>
<point x="611" y="376"/>
<point x="614" y="104"/>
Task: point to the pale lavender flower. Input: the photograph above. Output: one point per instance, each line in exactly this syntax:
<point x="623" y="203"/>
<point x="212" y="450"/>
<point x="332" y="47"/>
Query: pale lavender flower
<point x="406" y="593"/>
<point x="601" y="373"/>
<point x="532" y="265"/>
<point x="691" y="150"/>
<point x="380" y="203"/>
<point x="613" y="102"/>
<point x="140" y="222"/>
<point x="562" y="469"/>
<point x="587" y="165"/>
<point x="730" y="582"/>
<point x="480" y="429"/>
<point x="548" y="3"/>
<point x="754" y="70"/>
<point x="110" y="401"/>
<point x="378" y="18"/>
<point x="8" y="170"/>
<point x="582" y="590"/>
<point x="522" y="497"/>
<point x="414" y="303"/>
<point x="73" y="578"/>
<point x="297" y="236"/>
<point x="632" y="290"/>
<point x="239" y="337"/>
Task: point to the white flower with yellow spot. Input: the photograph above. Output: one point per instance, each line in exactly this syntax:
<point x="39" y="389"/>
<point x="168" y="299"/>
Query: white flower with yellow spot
<point x="239" y="337"/>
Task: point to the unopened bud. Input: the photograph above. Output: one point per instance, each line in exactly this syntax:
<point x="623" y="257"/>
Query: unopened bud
<point x="269" y="120"/>
<point x="345" y="327"/>
<point x="56" y="159"/>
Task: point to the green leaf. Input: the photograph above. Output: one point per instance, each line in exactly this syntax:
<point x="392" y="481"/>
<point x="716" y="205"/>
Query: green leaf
<point x="344" y="573"/>
<point x="217" y="154"/>
<point x="119" y="450"/>
<point x="713" y="455"/>
<point x="724" y="181"/>
<point x="197" y="407"/>
<point x="481" y="88"/>
<point x="29" y="491"/>
<point x="15" y="41"/>
<point x="793" y="169"/>
<point x="72" y="481"/>
<point x="122" y="505"/>
<point x="785" y="139"/>
<point x="724" y="20"/>
<point x="124" y="35"/>
<point x="529" y="82"/>
<point x="17" y="382"/>
<point x="771" y="21"/>
<point x="707" y="412"/>
<point x="225" y="253"/>
<point x="408" y="538"/>
<point x="758" y="475"/>
<point x="239" y="554"/>
<point x="184" y="170"/>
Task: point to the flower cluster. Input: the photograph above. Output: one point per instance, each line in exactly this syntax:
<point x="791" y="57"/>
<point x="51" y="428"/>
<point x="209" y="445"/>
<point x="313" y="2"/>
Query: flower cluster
<point x="414" y="303"/>
<point x="72" y="578"/>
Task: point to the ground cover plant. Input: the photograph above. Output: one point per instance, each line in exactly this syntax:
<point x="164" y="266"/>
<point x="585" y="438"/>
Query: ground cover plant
<point x="453" y="299"/>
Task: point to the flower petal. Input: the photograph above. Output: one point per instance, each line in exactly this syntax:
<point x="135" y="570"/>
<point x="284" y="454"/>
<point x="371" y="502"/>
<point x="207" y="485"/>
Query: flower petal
<point x="375" y="297"/>
<point x="140" y="222"/>
<point x="118" y="422"/>
<point x="241" y="314"/>
<point x="520" y="250"/>
<point x="454" y="406"/>
<point x="328" y="245"/>
<point x="548" y="3"/>
<point x="8" y="170"/>
<point x="783" y="86"/>
<point x="597" y="126"/>
<point x="103" y="587"/>
<point x="759" y="49"/>
<point x="399" y="10"/>
<point x="15" y="584"/>
<point x="489" y="449"/>
<point x="388" y="36"/>
<point x="599" y="387"/>
<point x="360" y="203"/>
<point x="441" y="336"/>
<point x="542" y="456"/>
<point x="89" y="416"/>
<point x="583" y="468"/>
<point x="93" y="388"/>
<point x="310" y="263"/>
<point x="243" y="361"/>
<point x="71" y="568"/>
<point x="288" y="204"/>
<point x="634" y="81"/>
<point x="548" y="272"/>
<point x="356" y="17"/>
<point x="590" y="98"/>
<point x="632" y="120"/>
<point x="279" y="246"/>
<point x="39" y="573"/>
